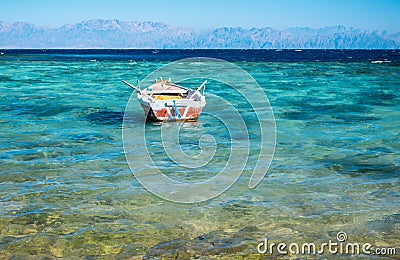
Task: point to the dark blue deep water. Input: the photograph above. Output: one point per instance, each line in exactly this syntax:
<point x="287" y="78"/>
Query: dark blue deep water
<point x="229" y="55"/>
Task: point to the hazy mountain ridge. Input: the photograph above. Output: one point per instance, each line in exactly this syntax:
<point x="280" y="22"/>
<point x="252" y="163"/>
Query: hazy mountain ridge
<point x="157" y="35"/>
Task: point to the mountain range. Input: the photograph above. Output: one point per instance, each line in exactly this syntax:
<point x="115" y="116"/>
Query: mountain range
<point x="157" y="35"/>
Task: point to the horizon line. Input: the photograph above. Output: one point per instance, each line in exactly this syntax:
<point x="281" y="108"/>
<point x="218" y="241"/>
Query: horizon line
<point x="202" y="49"/>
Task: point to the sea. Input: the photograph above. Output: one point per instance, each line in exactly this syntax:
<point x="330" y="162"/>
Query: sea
<point x="68" y="188"/>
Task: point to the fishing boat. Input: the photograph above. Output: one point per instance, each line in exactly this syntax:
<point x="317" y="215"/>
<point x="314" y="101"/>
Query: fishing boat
<point x="167" y="101"/>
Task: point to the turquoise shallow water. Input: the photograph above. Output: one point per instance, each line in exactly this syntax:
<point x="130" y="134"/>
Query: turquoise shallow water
<point x="66" y="188"/>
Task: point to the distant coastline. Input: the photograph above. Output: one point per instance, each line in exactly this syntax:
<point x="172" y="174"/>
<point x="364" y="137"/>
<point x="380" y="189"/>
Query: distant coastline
<point x="115" y="34"/>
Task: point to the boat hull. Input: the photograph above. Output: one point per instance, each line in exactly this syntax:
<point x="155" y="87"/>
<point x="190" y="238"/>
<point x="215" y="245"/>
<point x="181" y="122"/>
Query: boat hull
<point x="170" y="113"/>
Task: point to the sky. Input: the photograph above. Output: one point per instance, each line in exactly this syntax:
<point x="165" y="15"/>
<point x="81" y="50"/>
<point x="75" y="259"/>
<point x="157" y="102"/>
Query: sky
<point x="203" y="14"/>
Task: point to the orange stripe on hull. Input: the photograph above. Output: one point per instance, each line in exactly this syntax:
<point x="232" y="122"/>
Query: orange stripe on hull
<point x="168" y="114"/>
